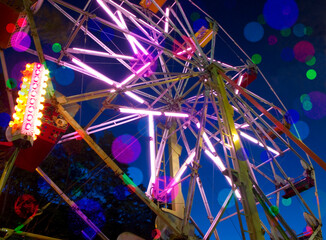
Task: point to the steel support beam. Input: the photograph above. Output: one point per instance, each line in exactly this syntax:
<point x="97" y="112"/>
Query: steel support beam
<point x="244" y="183"/>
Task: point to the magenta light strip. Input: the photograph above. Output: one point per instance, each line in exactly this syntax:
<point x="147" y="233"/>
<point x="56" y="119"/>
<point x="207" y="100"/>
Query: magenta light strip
<point x="151" y="148"/>
<point x="121" y="8"/>
<point x="133" y="42"/>
<point x="108" y="11"/>
<point x="100" y="54"/>
<point x="166" y="25"/>
<point x="128" y="79"/>
<point x="92" y="71"/>
<point x="174" y="114"/>
<point x="135" y="97"/>
<point x="140" y="111"/>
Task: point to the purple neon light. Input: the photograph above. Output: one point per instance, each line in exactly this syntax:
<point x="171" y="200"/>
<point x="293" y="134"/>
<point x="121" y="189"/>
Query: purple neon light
<point x="97" y="53"/>
<point x="92" y="71"/>
<point x="175" y="114"/>
<point x="151" y="146"/>
<point x="166" y="25"/>
<point x="140" y="111"/>
<point x="135" y="97"/>
<point x="128" y="79"/>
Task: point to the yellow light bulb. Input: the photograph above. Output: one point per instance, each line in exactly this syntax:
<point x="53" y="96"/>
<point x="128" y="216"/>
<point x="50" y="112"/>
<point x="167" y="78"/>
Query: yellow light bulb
<point x="37" y="131"/>
<point x="42" y="99"/>
<point x="38" y="123"/>
<point x="11" y="123"/>
<point x="41" y="107"/>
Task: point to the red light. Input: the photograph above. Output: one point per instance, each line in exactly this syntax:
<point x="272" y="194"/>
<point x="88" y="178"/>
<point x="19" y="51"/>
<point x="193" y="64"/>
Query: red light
<point x="28" y="126"/>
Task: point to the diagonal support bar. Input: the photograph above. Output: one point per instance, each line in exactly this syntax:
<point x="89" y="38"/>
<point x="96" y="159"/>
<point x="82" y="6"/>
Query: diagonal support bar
<point x="115" y="168"/>
<point x="71" y="203"/>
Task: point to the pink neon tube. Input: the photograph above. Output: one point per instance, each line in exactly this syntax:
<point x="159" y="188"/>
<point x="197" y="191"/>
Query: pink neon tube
<point x="92" y="71"/>
<point x="140" y="111"/>
<point x="151" y="146"/>
<point x="174" y="114"/>
<point x="166" y="25"/>
<point x="135" y="97"/>
<point x="97" y="53"/>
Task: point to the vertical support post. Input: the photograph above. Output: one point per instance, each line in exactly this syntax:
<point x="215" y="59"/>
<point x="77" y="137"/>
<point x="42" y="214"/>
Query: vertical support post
<point x="6" y="77"/>
<point x="178" y="202"/>
<point x="71" y="203"/>
<point x="239" y="162"/>
<point x="198" y="149"/>
<point x="7" y="170"/>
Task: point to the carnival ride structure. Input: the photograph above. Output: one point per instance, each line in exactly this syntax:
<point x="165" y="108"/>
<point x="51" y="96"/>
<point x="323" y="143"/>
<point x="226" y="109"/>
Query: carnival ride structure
<point x="199" y="110"/>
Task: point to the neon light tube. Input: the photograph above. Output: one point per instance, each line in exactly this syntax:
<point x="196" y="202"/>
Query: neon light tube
<point x="138" y="45"/>
<point x="259" y="143"/>
<point x="149" y="26"/>
<point x="100" y="54"/>
<point x="166" y="25"/>
<point x="206" y="37"/>
<point x="108" y="11"/>
<point x="208" y="143"/>
<point x="142" y="68"/>
<point x="174" y="114"/>
<point x="218" y="162"/>
<point x="180" y="172"/>
<point x="239" y="83"/>
<point x="135" y="97"/>
<point x="92" y="71"/>
<point x="126" y="80"/>
<point x="140" y="111"/>
<point x="250" y="138"/>
<point x="123" y="9"/>
<point x="206" y="139"/>
<point x="151" y="146"/>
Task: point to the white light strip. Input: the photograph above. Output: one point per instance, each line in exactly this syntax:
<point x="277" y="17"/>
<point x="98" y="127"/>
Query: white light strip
<point x="257" y="142"/>
<point x="100" y="54"/>
<point x="222" y="168"/>
<point x="166" y="25"/>
<point x="140" y="111"/>
<point x="179" y="174"/>
<point x="208" y="143"/>
<point x="239" y="83"/>
<point x="92" y="71"/>
<point x="135" y="97"/>
<point x="216" y="160"/>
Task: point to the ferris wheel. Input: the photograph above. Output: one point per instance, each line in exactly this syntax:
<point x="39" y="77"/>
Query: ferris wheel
<point x="201" y="117"/>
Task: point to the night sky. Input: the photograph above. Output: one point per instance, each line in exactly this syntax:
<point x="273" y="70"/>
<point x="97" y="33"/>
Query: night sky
<point x="285" y="38"/>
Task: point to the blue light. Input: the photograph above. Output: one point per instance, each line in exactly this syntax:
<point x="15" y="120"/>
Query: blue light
<point x="280" y="14"/>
